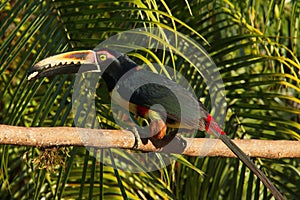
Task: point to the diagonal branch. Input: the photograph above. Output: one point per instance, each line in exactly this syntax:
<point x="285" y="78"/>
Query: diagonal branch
<point x="73" y="136"/>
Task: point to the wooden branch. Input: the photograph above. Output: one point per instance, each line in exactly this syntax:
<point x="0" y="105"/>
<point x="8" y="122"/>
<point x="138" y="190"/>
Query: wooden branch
<point x="73" y="136"/>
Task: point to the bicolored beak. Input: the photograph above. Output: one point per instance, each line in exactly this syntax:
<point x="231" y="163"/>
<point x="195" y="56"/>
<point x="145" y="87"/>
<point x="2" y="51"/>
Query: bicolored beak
<point x="65" y="63"/>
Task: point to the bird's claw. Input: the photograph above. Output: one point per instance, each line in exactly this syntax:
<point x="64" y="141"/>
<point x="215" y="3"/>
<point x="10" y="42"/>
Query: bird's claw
<point x="140" y="134"/>
<point x="137" y="137"/>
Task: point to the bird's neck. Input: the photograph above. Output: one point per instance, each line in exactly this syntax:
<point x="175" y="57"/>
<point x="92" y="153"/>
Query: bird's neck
<point x="116" y="70"/>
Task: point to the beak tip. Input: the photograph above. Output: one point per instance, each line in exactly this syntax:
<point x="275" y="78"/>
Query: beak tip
<point x="32" y="75"/>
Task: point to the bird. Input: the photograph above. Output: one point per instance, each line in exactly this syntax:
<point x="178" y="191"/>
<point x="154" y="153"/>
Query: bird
<point x="124" y="79"/>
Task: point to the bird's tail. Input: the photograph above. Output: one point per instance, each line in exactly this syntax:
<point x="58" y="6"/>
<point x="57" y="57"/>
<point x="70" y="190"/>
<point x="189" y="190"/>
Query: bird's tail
<point x="213" y="129"/>
<point x="246" y="160"/>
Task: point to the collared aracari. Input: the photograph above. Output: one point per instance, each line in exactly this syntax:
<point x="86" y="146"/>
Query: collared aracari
<point x="116" y="67"/>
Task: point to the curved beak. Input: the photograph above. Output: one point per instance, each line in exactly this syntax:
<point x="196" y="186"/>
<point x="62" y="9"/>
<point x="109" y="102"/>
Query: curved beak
<point x="65" y="63"/>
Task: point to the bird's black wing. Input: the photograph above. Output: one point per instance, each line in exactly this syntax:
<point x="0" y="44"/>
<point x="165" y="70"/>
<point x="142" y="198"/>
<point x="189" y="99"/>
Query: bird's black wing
<point x="146" y="89"/>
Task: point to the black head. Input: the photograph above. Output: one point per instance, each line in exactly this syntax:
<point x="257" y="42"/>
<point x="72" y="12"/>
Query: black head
<point x="114" y="65"/>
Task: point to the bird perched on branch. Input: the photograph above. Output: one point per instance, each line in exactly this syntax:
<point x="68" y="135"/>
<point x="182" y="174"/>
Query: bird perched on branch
<point x="125" y="81"/>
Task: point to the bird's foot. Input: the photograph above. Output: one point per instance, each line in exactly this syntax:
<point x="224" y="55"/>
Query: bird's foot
<point x="137" y="136"/>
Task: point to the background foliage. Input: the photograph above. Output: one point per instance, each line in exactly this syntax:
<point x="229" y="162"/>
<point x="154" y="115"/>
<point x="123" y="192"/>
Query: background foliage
<point x="255" y="45"/>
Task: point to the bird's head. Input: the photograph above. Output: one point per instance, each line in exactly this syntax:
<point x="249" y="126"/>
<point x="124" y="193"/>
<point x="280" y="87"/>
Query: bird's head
<point x="111" y="63"/>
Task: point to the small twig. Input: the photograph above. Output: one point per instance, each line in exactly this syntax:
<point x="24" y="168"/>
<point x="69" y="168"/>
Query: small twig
<point x="73" y="136"/>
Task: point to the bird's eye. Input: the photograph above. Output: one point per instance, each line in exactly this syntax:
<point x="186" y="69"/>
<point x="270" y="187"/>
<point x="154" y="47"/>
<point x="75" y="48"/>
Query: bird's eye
<point x="102" y="57"/>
